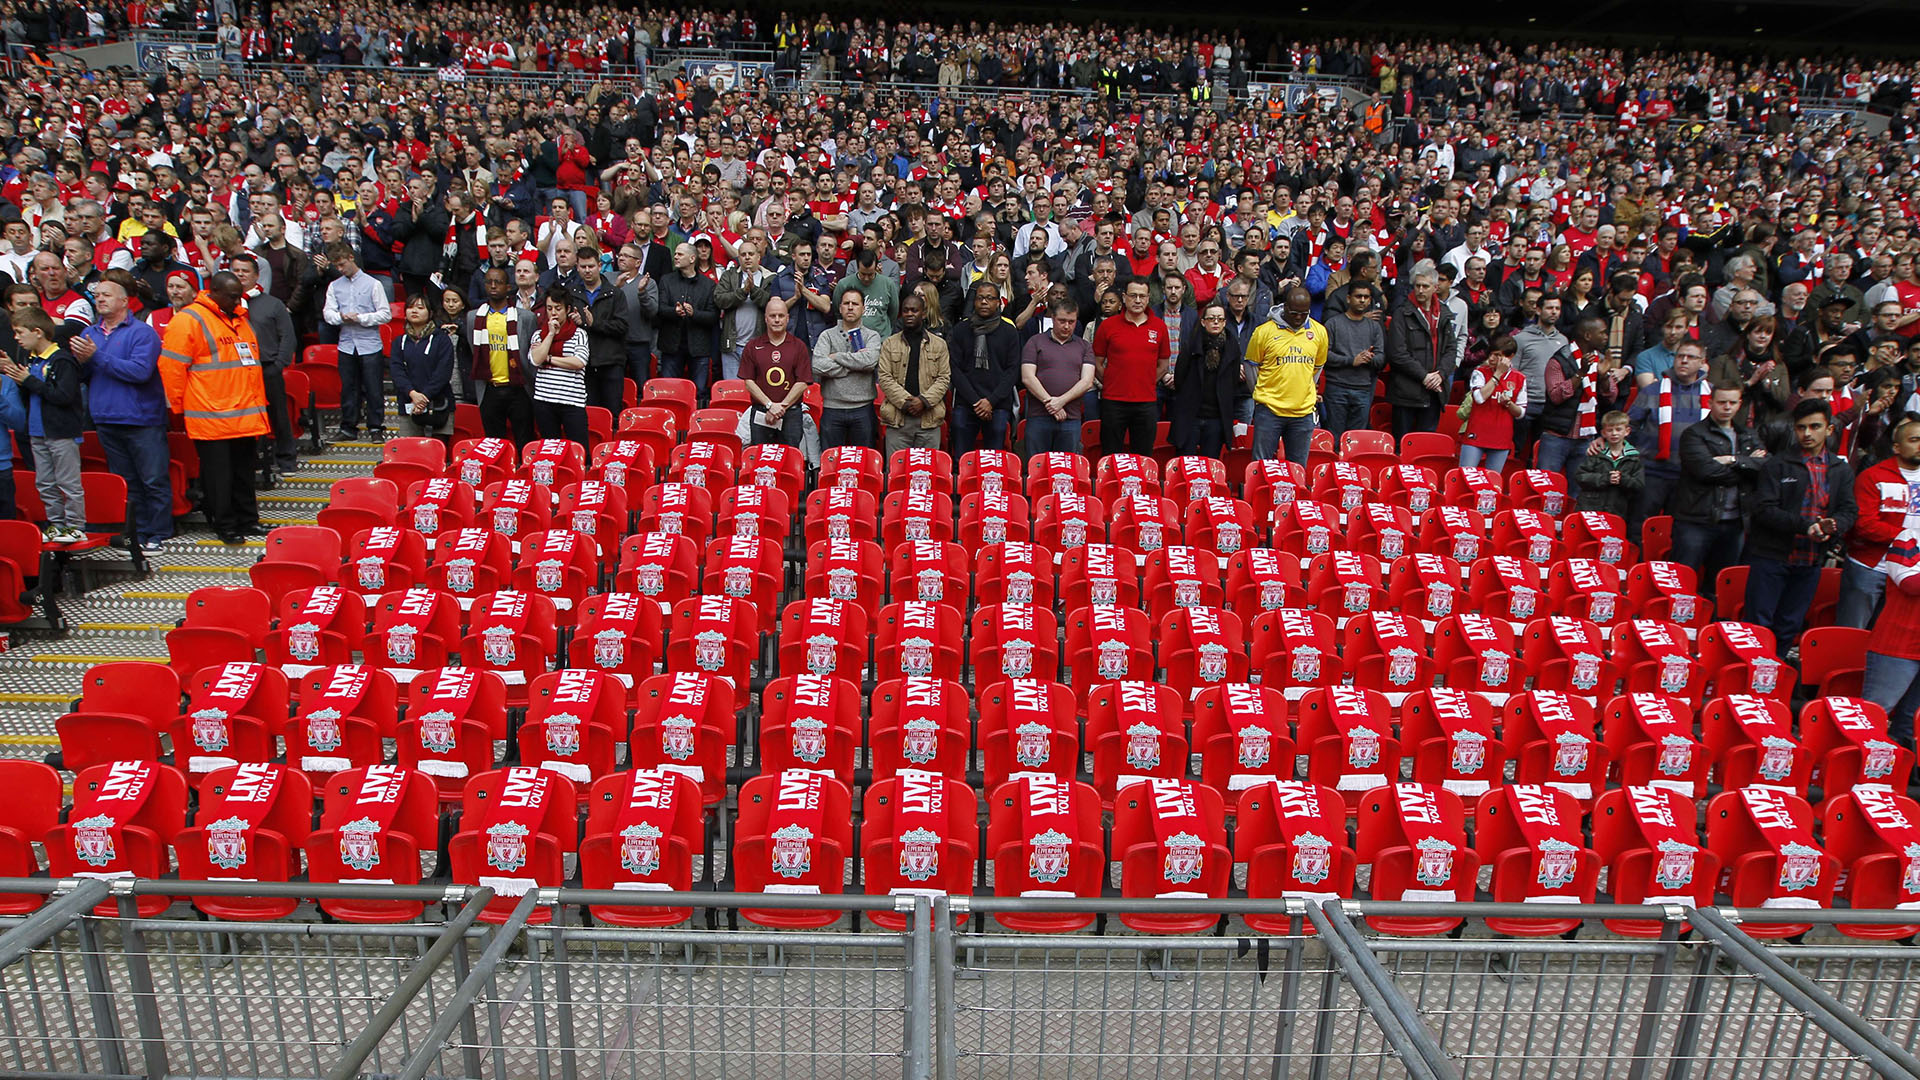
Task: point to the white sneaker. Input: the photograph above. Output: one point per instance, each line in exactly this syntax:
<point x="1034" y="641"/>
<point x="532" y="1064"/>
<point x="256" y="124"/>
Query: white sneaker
<point x="72" y="536"/>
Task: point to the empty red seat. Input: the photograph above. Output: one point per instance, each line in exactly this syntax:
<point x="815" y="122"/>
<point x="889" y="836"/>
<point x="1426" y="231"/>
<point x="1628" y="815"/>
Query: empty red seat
<point x="469" y="562"/>
<point x="1741" y="658"/>
<point x="753" y="511"/>
<point x="1014" y="641"/>
<point x="413" y="630"/>
<point x="1293" y="837"/>
<point x="297" y="557"/>
<point x="1412" y="487"/>
<point x="124" y="815"/>
<point x="995" y="517"/>
<point x="1475" y="489"/>
<point x="517" y="507"/>
<point x="1098" y="575"/>
<point x="794" y="835"/>
<point x="749" y="568"/>
<point x="1169" y="837"/>
<point x="1058" y="473"/>
<point x="1029" y="727"/>
<point x="1553" y="740"/>
<point x="932" y="571"/>
<point x="360" y="502"/>
<point x="1874" y="835"/>
<point x="478" y="463"/>
<point x="1261" y="580"/>
<point x="918" y="835"/>
<point x="1655" y="657"/>
<point x="442" y="503"/>
<point x="1751" y="740"/>
<point x="1014" y="573"/>
<point x="1530" y="835"/>
<point x="663" y="567"/>
<point x="841" y="513"/>
<point x="513" y="634"/>
<point x="1179" y="576"/>
<point x="576" y="721"/>
<point x="1345" y="583"/>
<point x="1587" y="589"/>
<point x="221" y="625"/>
<point x="1135" y="731"/>
<point x="1568" y="654"/>
<point x="595" y="509"/>
<point x="1342" y="484"/>
<point x="1305" y="528"/>
<point x="253" y="823"/>
<point x="375" y="823"/>
<point x="1451" y="736"/>
<point x="1109" y="644"/>
<point x="684" y="722"/>
<point x="1651" y="738"/>
<point x="553" y="463"/>
<point x="1847" y="738"/>
<point x="1769" y="857"/>
<point x="1474" y="652"/>
<point x="321" y="626"/>
<point x="1270" y="487"/>
<point x="1538" y="489"/>
<point x="781" y="468"/>
<point x="1347" y="736"/>
<point x="628" y="460"/>
<point x="988" y="471"/>
<point x="1044" y="837"/>
<point x="851" y="571"/>
<point x="124" y="708"/>
<point x="810" y="722"/>
<point x="454" y="716"/>
<point x="919" y="723"/>
<point x="384" y="559"/>
<point x="915" y="515"/>
<point x="1242" y="736"/>
<point x="708" y="464"/>
<point x="1195" y="478"/>
<point x="1123" y="476"/>
<point x="681" y="509"/>
<point x="1455" y="532"/>
<point x="1425" y="585"/>
<point x="644" y="829"/>
<point x="1415" y="837"/>
<point x="346" y="712"/>
<point x="853" y="467"/>
<point x="516" y="826"/>
<point x="919" y="637"/>
<point x="1649" y="840"/>
<point x="235" y="713"/>
<point x="1063" y="522"/>
<point x="1201" y="646"/>
<point x="714" y="635"/>
<point x="30" y="797"/>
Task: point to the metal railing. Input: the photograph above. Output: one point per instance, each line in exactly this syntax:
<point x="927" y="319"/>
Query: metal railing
<point x="90" y="986"/>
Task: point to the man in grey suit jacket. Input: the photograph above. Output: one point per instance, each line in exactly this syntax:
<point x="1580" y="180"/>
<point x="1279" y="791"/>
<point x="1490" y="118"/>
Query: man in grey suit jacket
<point x="643" y="303"/>
<point x="273" y="328"/>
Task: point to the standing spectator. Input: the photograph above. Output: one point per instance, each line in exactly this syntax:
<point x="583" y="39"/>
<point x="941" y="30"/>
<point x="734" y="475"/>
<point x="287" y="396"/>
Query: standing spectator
<point x="420" y="225"/>
<point x="1288" y="350"/>
<point x="1611" y="474"/>
<point x="1356" y="353"/>
<point x="643" y="305"/>
<point x="1719" y="460"/>
<point x="688" y="319"/>
<point x="1058" y="369"/>
<point x="421" y="362"/>
<point x="211" y="363"/>
<point x="880" y="291"/>
<point x="1892" y="679"/>
<point x="119" y="358"/>
<point x="604" y="312"/>
<point x="358" y="306"/>
<point x="1887" y="500"/>
<point x="559" y="362"/>
<point x="1496" y="400"/>
<point x="844" y="360"/>
<point x="1583" y="381"/>
<point x="777" y="367"/>
<point x="1205" y="381"/>
<point x="49" y="380"/>
<point x="1802" y="505"/>
<point x="1662" y="411"/>
<point x="1538" y="343"/>
<point x="273" y="328"/>
<point x="1420" y="349"/>
<point x="1133" y="355"/>
<point x="741" y="294"/>
<point x="986" y="372"/>
<point x="914" y="377"/>
<point x="499" y="338"/>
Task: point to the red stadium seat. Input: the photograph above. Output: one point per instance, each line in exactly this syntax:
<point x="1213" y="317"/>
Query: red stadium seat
<point x="516" y="825"/>
<point x="620" y="634"/>
<point x="1651" y="739"/>
<point x="1649" y="840"/>
<point x="918" y="833"/>
<point x="663" y="567"/>
<point x="1531" y="836"/>
<point x="810" y="722"/>
<point x="1451" y="736"/>
<point x="1014" y="572"/>
<point x="346" y="712"/>
<point x="1751" y="740"/>
<point x="1044" y="837"/>
<point x="576" y="721"/>
<point x="1169" y="837"/>
<point x="1014" y="641"/>
<point x="643" y="830"/>
<point x="30" y="797"/>
<point x="1415" y="837"/>
<point x="1346" y="734"/>
<point x="990" y="518"/>
<point x="1242" y="736"/>
<point x="684" y="723"/>
<point x="1872" y="835"/>
<point x="253" y="822"/>
<point x="1109" y="644"/>
<point x="235" y="713"/>
<point x="1848" y="740"/>
<point x="1098" y="575"/>
<point x="919" y="723"/>
<point x="1029" y="727"/>
<point x="454" y="716"/>
<point x="794" y="835"/>
<point x="1135" y="731"/>
<point x="1293" y="837"/>
<point x="124" y="815"/>
<point x="374" y="825"/>
<point x="1769" y="857"/>
<point x="919" y="637"/>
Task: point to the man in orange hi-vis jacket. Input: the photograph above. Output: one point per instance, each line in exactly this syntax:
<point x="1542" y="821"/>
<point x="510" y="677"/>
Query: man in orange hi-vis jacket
<point x="210" y="362"/>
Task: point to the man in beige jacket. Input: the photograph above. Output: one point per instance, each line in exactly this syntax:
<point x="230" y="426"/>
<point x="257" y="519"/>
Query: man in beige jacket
<point x="914" y="376"/>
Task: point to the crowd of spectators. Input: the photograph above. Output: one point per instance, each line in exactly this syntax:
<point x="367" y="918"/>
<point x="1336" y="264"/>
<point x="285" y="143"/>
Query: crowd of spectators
<point x="1683" y="280"/>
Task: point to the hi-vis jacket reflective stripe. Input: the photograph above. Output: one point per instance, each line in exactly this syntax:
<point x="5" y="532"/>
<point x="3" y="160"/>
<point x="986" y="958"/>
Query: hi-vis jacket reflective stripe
<point x="211" y="366"/>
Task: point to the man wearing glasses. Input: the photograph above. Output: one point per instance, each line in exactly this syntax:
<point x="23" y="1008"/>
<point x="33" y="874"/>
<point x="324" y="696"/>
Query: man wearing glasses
<point x="1206" y="275"/>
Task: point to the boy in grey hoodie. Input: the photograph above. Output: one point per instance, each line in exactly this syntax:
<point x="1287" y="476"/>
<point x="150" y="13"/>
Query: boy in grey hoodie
<point x="844" y="359"/>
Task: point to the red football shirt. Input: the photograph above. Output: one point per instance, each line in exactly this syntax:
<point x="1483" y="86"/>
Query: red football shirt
<point x="1133" y="355"/>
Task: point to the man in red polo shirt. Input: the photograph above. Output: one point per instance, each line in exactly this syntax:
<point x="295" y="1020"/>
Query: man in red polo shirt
<point x="1132" y="354"/>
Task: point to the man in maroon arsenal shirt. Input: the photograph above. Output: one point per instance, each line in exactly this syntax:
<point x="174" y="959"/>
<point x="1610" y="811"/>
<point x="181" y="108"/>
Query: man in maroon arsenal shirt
<point x="1132" y="352"/>
<point x="777" y="368"/>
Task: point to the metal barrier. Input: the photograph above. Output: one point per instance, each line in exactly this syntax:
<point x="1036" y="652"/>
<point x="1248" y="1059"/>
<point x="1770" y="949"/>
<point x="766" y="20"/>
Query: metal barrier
<point x="89" y="987"/>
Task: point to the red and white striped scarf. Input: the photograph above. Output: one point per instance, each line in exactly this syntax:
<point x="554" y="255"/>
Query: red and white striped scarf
<point x="1586" y="423"/>
<point x="1666" y="412"/>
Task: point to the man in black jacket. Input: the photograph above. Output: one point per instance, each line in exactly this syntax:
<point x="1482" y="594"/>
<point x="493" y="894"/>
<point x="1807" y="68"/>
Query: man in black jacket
<point x="1802" y="505"/>
<point x="421" y="227"/>
<point x="1419" y="355"/>
<point x="687" y="319"/>
<point x="1719" y="460"/>
<point x="603" y="313"/>
<point x="985" y="350"/>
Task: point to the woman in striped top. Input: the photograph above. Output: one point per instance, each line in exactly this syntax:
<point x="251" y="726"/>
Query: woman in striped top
<point x="559" y="359"/>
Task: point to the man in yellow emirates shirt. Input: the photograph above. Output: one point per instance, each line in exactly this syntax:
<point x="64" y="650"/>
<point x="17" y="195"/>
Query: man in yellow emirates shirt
<point x="1289" y="350"/>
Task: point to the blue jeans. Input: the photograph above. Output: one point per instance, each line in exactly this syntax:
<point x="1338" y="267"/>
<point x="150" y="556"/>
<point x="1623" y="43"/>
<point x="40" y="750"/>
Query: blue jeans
<point x="1046" y="435"/>
<point x="1709" y="549"/>
<point x="1662" y="477"/>
<point x="362" y="376"/>
<point x="972" y="433"/>
<point x="1778" y="597"/>
<point x="846" y="427"/>
<point x="639" y="364"/>
<point x="1271" y="431"/>
<point x="1860" y="590"/>
<point x="1474" y="457"/>
<point x="1346" y="408"/>
<point x="1209" y="438"/>
<point x="1556" y="453"/>
<point x="138" y="454"/>
<point x="1893" y="683"/>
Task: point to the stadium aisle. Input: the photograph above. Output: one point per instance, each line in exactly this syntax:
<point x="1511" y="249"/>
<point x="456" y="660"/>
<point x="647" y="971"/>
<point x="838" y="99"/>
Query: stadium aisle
<point x="127" y="618"/>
